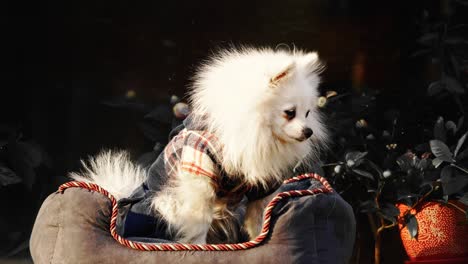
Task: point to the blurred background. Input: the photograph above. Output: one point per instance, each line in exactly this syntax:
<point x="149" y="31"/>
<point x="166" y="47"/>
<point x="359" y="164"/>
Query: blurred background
<point x="80" y="76"/>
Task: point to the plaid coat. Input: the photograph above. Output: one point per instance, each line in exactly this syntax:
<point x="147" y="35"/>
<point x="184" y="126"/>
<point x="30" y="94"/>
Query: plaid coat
<point x="192" y="150"/>
<point x="198" y="153"/>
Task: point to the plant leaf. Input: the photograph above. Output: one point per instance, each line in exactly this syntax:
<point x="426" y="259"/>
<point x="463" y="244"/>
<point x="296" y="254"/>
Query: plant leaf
<point x="441" y="151"/>
<point x="460" y="143"/>
<point x="412" y="225"/>
<point x="451" y="126"/>
<point x="439" y="130"/>
<point x="434" y="88"/>
<point x="423" y="164"/>
<point x="337" y="97"/>
<point x="405" y="161"/>
<point x="436" y="162"/>
<point x="407" y="196"/>
<point x="423" y="147"/>
<point x="364" y="174"/>
<point x="425" y="188"/>
<point x="464" y="199"/>
<point x="7" y="176"/>
<point x="460" y="122"/>
<point x="387" y="217"/>
<point x="463" y="155"/>
<point x="390" y="209"/>
<point x="22" y="162"/>
<point x="453" y="85"/>
<point x="452" y="181"/>
<point x="355" y="155"/>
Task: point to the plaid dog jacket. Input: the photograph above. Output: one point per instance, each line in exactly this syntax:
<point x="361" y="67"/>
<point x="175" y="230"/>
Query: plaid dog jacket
<point x="191" y="150"/>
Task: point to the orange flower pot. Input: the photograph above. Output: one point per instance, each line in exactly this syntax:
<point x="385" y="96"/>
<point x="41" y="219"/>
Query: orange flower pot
<point x="441" y="234"/>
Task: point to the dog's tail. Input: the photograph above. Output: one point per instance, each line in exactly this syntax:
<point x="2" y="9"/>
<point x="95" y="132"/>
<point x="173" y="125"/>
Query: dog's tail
<point x="113" y="171"/>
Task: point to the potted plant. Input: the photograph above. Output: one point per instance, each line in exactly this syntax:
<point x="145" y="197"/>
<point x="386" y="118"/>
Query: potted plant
<point x="423" y="190"/>
<point x="409" y="171"/>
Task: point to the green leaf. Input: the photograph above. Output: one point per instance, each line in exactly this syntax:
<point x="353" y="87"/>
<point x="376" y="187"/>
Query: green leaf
<point x="441" y="151"/>
<point x="452" y="181"/>
<point x="465" y="221"/>
<point x="423" y="164"/>
<point x="355" y="155"/>
<point x="451" y="126"/>
<point x="407" y="196"/>
<point x="374" y="166"/>
<point x="463" y="155"/>
<point x="460" y="143"/>
<point x="405" y="161"/>
<point x="445" y="199"/>
<point x="387" y="217"/>
<point x="423" y="147"/>
<point x="435" y="88"/>
<point x="412" y="225"/>
<point x="390" y="209"/>
<point x="439" y="130"/>
<point x="464" y="199"/>
<point x="425" y="187"/>
<point x="364" y="174"/>
<point x="7" y="176"/>
<point x="436" y="162"/>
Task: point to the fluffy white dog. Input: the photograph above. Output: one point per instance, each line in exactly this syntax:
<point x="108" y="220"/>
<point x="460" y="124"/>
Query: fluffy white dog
<point x="254" y="118"/>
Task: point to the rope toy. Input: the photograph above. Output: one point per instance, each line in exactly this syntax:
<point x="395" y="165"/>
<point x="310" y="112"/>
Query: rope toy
<point x="203" y="247"/>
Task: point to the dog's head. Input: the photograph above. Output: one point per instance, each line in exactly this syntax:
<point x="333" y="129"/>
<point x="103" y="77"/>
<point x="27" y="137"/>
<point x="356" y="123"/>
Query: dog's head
<point x="262" y="106"/>
<point x="292" y="99"/>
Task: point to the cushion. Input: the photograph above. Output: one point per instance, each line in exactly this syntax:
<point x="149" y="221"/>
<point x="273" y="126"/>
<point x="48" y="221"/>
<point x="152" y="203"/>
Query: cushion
<point x="306" y="226"/>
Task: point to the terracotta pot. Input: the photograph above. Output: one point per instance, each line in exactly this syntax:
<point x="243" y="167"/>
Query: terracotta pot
<point x="440" y="234"/>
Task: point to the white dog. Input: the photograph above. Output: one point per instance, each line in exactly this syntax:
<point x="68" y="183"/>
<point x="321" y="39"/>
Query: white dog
<point x="254" y="118"/>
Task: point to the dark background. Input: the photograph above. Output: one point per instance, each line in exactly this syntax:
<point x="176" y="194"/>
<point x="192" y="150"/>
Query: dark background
<point x="63" y="59"/>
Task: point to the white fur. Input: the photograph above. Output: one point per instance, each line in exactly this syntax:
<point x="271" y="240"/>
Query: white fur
<point x="240" y="96"/>
<point x="232" y="93"/>
<point x="187" y="205"/>
<point x="114" y="172"/>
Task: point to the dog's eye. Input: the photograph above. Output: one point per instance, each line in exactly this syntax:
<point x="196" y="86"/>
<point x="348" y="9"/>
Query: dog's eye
<point x="290" y="114"/>
<point x="307" y="114"/>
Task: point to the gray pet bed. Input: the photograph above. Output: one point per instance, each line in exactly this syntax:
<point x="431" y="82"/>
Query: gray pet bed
<point x="306" y="226"/>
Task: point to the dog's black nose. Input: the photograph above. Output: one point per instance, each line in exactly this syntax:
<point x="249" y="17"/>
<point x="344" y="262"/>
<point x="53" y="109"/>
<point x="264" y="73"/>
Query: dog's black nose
<point x="307" y="132"/>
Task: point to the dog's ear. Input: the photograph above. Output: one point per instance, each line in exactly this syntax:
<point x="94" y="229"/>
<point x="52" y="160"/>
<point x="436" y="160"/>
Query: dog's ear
<point x="312" y="64"/>
<point x="283" y="75"/>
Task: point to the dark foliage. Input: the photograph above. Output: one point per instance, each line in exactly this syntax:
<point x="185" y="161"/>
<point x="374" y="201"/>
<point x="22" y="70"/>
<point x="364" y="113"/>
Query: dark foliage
<point x="25" y="170"/>
<point x="374" y="166"/>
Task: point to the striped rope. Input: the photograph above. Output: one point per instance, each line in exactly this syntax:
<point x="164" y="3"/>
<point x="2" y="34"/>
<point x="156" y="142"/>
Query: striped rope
<point x="204" y="247"/>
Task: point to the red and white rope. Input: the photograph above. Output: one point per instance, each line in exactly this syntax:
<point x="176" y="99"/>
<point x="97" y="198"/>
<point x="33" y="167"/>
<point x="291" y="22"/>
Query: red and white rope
<point x="203" y="247"/>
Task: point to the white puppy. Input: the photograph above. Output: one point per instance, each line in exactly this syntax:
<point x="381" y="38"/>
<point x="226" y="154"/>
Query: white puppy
<point x="254" y="117"/>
